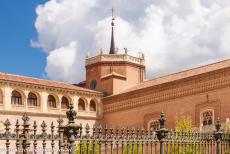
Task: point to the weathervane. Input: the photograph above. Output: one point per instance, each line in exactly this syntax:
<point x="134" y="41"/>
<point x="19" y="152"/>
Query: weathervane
<point x="112" y="10"/>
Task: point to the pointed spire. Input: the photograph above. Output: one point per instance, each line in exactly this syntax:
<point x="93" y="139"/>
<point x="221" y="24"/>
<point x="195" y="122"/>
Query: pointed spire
<point x="112" y="44"/>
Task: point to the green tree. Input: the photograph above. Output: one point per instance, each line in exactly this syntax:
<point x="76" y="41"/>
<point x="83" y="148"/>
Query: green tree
<point x="184" y="128"/>
<point x="184" y="123"/>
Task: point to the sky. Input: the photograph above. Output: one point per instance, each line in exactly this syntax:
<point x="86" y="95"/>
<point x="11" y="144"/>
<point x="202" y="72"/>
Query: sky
<point x="50" y="39"/>
<point x="17" y="20"/>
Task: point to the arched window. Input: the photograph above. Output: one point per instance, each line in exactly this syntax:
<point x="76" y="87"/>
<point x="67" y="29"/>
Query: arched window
<point x="32" y="99"/>
<point x="154" y="125"/>
<point x="81" y="105"/>
<point x="1" y="97"/>
<point x="16" y="98"/>
<point x="51" y="102"/>
<point x="64" y="103"/>
<point x="207" y="118"/>
<point x="92" y="106"/>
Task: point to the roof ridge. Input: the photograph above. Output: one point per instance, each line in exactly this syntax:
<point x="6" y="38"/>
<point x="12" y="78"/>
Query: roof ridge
<point x="23" y="76"/>
<point x="44" y="82"/>
<point x="143" y="84"/>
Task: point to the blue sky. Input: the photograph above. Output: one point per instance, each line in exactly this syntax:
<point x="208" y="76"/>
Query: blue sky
<point x="17" y="29"/>
<point x="174" y="35"/>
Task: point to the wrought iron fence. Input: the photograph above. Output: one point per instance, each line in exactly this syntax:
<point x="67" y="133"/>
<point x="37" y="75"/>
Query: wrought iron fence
<point x="75" y="139"/>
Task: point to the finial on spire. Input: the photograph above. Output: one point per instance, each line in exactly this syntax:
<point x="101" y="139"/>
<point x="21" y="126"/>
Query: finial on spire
<point x="112" y="44"/>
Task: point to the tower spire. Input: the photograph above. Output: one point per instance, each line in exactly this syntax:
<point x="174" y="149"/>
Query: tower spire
<point x="112" y="44"/>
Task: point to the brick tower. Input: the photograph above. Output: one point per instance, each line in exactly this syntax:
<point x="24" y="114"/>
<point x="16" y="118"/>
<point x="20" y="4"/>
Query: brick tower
<point x="113" y="72"/>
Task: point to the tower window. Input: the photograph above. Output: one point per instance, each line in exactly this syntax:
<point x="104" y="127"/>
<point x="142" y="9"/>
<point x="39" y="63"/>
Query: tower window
<point x="93" y="84"/>
<point x="16" y="98"/>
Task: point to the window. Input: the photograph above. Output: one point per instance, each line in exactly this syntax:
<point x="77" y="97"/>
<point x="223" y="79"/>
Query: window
<point x="16" y="98"/>
<point x="207" y="118"/>
<point x="154" y="125"/>
<point x="93" y="84"/>
<point x="92" y="106"/>
<point x="32" y="99"/>
<point x="81" y="105"/>
<point x="64" y="103"/>
<point x="1" y="97"/>
<point x="51" y="102"/>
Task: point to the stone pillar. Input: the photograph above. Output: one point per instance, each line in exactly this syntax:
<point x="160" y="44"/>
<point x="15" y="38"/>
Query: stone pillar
<point x="7" y="97"/>
<point x="26" y="92"/>
<point x="75" y="102"/>
<point x="59" y="103"/>
<point x="44" y="97"/>
<point x="88" y="105"/>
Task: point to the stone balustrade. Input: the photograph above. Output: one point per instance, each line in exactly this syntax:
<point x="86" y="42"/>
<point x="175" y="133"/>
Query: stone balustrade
<point x="114" y="58"/>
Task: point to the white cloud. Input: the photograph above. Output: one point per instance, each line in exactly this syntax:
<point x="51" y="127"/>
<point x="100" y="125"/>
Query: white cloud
<point x="173" y="34"/>
<point x="60" y="63"/>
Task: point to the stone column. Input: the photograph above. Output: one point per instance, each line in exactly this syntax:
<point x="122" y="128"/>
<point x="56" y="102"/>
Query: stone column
<point x="44" y="97"/>
<point x="59" y="103"/>
<point x="26" y="92"/>
<point x="75" y="102"/>
<point x="7" y="97"/>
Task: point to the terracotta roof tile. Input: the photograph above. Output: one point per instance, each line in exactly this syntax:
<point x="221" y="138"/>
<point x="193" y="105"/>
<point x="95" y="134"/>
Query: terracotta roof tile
<point x="179" y="75"/>
<point x="42" y="82"/>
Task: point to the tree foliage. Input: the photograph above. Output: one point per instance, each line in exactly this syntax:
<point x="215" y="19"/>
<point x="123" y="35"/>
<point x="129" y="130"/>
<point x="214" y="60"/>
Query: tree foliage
<point x="184" y="126"/>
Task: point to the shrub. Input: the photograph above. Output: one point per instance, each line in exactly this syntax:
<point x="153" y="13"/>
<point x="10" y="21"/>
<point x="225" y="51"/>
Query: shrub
<point x="136" y="147"/>
<point x="184" y="125"/>
<point x="90" y="148"/>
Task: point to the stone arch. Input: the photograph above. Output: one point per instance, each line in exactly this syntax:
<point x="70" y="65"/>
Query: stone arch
<point x="82" y="104"/>
<point x="52" y="101"/>
<point x="93" y="105"/>
<point x="17" y="97"/>
<point x="33" y="99"/>
<point x="207" y="117"/>
<point x="65" y="101"/>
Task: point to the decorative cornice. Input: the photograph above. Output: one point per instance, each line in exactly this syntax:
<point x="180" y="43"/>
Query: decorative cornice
<point x="115" y="63"/>
<point x="172" y="90"/>
<point x="50" y="88"/>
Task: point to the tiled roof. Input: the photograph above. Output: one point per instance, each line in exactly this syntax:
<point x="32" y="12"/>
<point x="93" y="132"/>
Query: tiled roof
<point x="42" y="82"/>
<point x="179" y="75"/>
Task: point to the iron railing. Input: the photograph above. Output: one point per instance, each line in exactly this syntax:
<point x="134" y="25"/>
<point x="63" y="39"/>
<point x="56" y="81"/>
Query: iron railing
<point x="73" y="139"/>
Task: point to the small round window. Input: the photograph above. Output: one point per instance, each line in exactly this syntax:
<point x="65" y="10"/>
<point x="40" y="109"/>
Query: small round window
<point x="93" y="84"/>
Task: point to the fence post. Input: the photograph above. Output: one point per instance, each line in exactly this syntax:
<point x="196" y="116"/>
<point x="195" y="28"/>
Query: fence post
<point x="218" y="136"/>
<point x="7" y="133"/>
<point x="162" y="132"/>
<point x="60" y="134"/>
<point x="26" y="129"/>
<point x="71" y="129"/>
